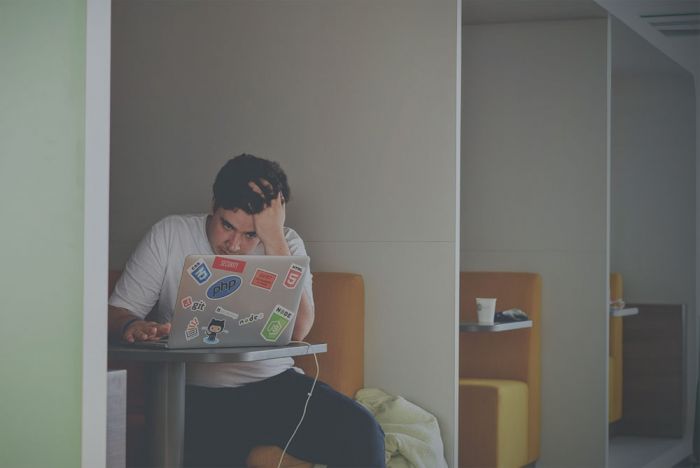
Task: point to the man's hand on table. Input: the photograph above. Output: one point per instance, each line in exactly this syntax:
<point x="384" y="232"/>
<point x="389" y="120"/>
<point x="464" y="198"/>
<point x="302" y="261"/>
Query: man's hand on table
<point x="141" y="330"/>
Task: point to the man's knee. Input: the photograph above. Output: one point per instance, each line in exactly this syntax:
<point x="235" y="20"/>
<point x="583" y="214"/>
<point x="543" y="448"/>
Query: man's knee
<point x="268" y="456"/>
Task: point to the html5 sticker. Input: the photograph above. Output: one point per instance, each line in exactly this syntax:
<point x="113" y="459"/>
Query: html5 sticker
<point x="199" y="271"/>
<point x="293" y="276"/>
<point x="229" y="264"/>
<point x="264" y="279"/>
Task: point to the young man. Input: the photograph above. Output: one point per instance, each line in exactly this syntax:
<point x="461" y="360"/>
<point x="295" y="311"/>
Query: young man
<point x="233" y="407"/>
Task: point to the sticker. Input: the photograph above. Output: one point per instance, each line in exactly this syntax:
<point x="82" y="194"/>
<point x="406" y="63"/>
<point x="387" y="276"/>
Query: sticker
<point x="227" y="313"/>
<point x="199" y="306"/>
<point x="264" y="279"/>
<point x="224" y="287"/>
<point x="229" y="264"/>
<point x="192" y="330"/>
<point x="199" y="271"/>
<point x="250" y="319"/>
<point x="187" y="302"/>
<point x="293" y="276"/>
<point x="215" y="327"/>
<point x="276" y="323"/>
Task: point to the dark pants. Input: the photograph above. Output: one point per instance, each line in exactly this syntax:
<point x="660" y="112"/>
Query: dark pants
<point x="222" y="425"/>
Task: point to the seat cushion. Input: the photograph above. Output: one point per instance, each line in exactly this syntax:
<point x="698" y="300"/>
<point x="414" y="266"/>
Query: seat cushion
<point x="493" y="423"/>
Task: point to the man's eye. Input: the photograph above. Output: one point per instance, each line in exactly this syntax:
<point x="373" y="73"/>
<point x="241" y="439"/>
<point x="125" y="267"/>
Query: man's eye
<point x="251" y="235"/>
<point x="227" y="226"/>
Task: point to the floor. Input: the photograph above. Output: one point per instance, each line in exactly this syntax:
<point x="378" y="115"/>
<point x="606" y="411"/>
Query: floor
<point x="638" y="452"/>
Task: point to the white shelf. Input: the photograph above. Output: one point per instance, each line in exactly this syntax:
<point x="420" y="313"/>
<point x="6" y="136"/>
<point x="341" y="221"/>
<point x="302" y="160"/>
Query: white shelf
<point x="624" y="312"/>
<point x="496" y="327"/>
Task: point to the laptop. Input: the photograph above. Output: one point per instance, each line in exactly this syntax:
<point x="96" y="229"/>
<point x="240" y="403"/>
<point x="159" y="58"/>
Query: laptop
<point x="228" y="300"/>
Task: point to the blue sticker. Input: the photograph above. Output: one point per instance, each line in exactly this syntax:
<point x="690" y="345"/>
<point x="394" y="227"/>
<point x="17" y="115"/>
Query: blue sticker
<point x="200" y="272"/>
<point x="224" y="287"/>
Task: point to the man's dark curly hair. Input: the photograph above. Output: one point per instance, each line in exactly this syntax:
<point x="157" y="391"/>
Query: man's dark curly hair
<point x="231" y="190"/>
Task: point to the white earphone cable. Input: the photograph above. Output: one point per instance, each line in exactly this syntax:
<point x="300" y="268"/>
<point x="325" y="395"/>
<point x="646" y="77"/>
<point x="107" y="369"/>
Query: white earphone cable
<point x="303" y="414"/>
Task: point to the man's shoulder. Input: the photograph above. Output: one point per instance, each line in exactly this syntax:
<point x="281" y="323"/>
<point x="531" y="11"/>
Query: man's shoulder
<point x="180" y="221"/>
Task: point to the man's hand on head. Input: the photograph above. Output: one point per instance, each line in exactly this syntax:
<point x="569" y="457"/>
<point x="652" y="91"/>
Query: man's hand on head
<point x="141" y="330"/>
<point x="269" y="223"/>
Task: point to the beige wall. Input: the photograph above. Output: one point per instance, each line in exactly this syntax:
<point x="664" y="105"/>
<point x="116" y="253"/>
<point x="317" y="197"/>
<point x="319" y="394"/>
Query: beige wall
<point x="358" y="101"/>
<point x="534" y="198"/>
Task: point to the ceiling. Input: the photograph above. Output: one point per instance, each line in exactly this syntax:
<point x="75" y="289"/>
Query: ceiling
<point x="673" y="26"/>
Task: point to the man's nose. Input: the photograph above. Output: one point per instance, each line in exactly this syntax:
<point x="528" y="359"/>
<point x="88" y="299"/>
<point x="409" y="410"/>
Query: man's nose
<point x="235" y="241"/>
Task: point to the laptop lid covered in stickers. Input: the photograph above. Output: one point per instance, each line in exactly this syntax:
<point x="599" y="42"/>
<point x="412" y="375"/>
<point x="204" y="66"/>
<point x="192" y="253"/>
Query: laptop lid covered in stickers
<point x="230" y="300"/>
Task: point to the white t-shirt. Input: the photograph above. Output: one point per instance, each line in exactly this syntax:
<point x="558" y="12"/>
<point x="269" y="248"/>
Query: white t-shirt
<point x="151" y="278"/>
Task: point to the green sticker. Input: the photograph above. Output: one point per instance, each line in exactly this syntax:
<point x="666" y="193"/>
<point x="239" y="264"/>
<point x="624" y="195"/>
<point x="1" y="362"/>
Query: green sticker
<point x="276" y="323"/>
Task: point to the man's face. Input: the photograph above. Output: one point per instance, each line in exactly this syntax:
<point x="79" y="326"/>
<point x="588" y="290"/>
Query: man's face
<point x="231" y="232"/>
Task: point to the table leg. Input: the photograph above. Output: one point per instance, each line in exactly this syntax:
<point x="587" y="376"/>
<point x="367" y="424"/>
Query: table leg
<point x="165" y="413"/>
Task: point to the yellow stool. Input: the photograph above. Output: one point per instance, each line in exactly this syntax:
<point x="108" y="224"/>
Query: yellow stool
<point x="501" y="440"/>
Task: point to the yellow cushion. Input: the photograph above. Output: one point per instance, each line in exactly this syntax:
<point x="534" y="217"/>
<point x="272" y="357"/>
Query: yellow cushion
<point x="615" y="361"/>
<point x="514" y="355"/>
<point x="493" y="423"/>
<point x="614" y="390"/>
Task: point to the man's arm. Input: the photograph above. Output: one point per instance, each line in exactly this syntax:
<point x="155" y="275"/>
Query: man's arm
<point x="269" y="226"/>
<point x="136" y="330"/>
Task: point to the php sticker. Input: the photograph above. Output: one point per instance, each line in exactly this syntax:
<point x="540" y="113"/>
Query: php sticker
<point x="293" y="276"/>
<point x="229" y="264"/>
<point x="250" y="319"/>
<point x="187" y="302"/>
<point x="276" y="324"/>
<point x="224" y="287"/>
<point x="192" y="330"/>
<point x="264" y="279"/>
<point x="227" y="313"/>
<point x="199" y="271"/>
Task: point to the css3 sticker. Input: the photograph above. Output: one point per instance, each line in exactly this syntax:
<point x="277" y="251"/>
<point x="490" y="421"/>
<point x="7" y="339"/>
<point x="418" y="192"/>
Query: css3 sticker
<point x="199" y="271"/>
<point x="224" y="287"/>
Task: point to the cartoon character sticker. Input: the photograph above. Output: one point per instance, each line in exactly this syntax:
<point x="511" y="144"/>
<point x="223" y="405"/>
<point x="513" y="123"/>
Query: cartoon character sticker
<point x="227" y="313"/>
<point x="293" y="276"/>
<point x="276" y="324"/>
<point x="229" y="264"/>
<point x="214" y="328"/>
<point x="264" y="279"/>
<point x="192" y="330"/>
<point x="199" y="271"/>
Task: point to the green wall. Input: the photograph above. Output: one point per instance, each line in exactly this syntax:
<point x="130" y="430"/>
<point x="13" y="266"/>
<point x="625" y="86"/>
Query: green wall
<point x="42" y="138"/>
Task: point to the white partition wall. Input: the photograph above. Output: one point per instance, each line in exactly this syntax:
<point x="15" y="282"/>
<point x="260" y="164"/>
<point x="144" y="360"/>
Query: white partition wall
<point x="653" y="196"/>
<point x="534" y="198"/>
<point x="358" y="100"/>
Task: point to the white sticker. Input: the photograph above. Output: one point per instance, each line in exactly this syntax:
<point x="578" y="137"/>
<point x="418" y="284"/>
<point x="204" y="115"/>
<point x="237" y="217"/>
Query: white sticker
<point x="250" y="319"/>
<point x="192" y="330"/>
<point x="227" y="313"/>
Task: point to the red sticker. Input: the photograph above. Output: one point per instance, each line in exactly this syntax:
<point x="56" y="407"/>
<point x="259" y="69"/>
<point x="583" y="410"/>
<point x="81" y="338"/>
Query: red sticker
<point x="187" y="302"/>
<point x="264" y="279"/>
<point x="293" y="276"/>
<point x="228" y="264"/>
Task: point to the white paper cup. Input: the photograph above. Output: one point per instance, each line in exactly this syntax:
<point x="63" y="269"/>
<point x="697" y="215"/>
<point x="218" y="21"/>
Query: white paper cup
<point x="485" y="310"/>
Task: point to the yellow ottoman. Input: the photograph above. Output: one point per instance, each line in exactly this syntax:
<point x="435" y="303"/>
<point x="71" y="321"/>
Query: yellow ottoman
<point x="492" y="423"/>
